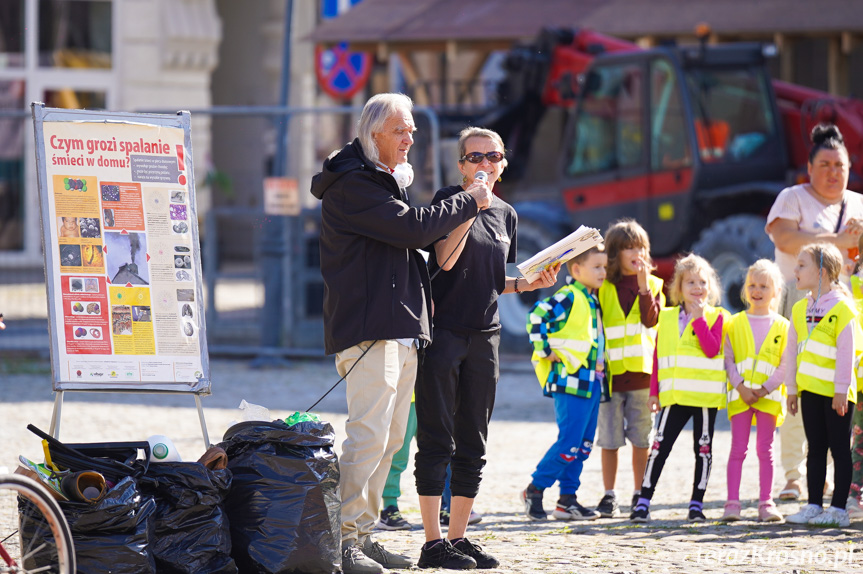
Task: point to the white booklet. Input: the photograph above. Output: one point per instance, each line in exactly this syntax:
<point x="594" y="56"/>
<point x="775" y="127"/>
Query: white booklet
<point x="576" y="242"/>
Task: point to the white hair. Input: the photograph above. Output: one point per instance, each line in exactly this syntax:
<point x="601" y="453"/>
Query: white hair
<point x="375" y="114"/>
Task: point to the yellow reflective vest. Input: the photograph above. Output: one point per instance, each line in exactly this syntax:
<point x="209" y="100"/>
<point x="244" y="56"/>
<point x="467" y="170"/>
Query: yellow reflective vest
<point x="573" y="342"/>
<point x="757" y="367"/>
<point x="686" y="375"/>
<point x="630" y="344"/>
<point x="857" y="293"/>
<point x="816" y="351"/>
<point x="857" y="290"/>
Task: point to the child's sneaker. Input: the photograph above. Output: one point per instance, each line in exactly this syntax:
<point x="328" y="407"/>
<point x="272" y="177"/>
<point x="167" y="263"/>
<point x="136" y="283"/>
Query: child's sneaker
<point x="831" y="517"/>
<point x="608" y="507"/>
<point x="855" y="512"/>
<point x="475" y="517"/>
<point x="732" y="511"/>
<point x="806" y="513"/>
<point x="639" y="514"/>
<point x="444" y="516"/>
<point x="532" y="499"/>
<point x="767" y="512"/>
<point x="568" y="508"/>
<point x="392" y="519"/>
<point x="634" y="502"/>
<point x="696" y="515"/>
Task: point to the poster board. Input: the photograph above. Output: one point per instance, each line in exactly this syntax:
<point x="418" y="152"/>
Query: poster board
<point x="122" y="251"/>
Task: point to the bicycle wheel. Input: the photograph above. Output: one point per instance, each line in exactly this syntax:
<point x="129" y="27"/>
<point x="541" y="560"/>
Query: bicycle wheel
<point x="34" y="534"/>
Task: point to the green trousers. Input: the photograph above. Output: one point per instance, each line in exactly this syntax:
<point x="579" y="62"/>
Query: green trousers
<point x="392" y="487"/>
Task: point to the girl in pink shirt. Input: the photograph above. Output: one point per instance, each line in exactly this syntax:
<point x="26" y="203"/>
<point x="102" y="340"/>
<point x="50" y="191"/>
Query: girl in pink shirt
<point x="753" y="360"/>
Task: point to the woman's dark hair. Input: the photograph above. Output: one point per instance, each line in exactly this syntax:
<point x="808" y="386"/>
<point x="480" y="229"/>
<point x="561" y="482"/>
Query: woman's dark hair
<point x="825" y="136"/>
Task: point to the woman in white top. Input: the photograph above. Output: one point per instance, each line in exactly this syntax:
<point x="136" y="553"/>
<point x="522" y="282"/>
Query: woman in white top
<point x="821" y="210"/>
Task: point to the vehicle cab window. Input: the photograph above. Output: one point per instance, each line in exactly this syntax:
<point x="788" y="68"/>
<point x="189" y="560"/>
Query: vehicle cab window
<point x="608" y="132"/>
<point x="733" y="118"/>
<point x="669" y="147"/>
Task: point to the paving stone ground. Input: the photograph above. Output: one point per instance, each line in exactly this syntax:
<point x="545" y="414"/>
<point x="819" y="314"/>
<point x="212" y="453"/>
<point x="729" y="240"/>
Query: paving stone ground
<point x="521" y="431"/>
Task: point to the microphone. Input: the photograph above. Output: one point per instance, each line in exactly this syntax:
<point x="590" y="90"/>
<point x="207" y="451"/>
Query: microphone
<point x="481" y="176"/>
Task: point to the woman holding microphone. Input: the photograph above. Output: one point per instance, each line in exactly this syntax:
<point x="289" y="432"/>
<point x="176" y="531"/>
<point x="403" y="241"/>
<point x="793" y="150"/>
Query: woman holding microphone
<point x="457" y="379"/>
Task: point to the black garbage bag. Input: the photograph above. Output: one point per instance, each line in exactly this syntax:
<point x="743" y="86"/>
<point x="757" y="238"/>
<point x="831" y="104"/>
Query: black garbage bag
<point x="112" y="536"/>
<point x="284" y="506"/>
<point x="192" y="533"/>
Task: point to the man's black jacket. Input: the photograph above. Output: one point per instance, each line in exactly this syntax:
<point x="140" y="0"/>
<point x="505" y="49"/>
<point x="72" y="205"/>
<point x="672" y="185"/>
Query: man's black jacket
<point x="376" y="286"/>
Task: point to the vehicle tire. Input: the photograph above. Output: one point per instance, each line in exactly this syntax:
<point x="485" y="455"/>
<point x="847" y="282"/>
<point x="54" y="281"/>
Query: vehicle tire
<point x="513" y="308"/>
<point x="732" y="245"/>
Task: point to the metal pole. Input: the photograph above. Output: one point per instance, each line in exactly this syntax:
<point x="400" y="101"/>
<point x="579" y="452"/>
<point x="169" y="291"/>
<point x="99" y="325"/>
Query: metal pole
<point x="273" y="241"/>
<point x="200" y="408"/>
<point x="54" y="430"/>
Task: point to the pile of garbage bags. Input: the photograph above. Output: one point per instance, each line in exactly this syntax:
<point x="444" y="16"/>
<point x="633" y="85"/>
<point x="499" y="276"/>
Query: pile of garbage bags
<point x="266" y="500"/>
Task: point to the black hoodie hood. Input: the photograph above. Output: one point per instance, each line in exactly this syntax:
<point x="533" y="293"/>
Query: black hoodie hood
<point x="346" y="160"/>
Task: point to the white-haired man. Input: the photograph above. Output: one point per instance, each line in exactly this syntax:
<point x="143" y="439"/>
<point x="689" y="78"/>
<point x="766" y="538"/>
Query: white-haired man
<point x="377" y="304"/>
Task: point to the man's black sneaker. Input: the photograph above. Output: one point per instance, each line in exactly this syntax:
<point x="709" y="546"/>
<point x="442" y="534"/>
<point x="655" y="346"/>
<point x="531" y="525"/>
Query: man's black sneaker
<point x="392" y="519"/>
<point x="695" y="515"/>
<point x="608" y="507"/>
<point x="483" y="559"/>
<point x="354" y="561"/>
<point x="640" y="514"/>
<point x="532" y="499"/>
<point x="384" y="557"/>
<point x="444" y="516"/>
<point x="568" y="508"/>
<point x="442" y="554"/>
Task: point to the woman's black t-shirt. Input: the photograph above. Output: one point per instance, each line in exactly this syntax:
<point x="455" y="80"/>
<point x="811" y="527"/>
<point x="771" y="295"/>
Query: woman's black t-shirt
<point x="465" y="297"/>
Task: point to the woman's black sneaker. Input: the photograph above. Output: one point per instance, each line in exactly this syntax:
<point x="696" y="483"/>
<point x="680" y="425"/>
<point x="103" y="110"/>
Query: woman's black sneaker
<point x="442" y="554"/>
<point x="483" y="560"/>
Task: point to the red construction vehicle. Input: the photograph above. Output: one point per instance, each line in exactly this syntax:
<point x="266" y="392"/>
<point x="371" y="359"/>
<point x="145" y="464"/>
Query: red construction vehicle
<point x="694" y="142"/>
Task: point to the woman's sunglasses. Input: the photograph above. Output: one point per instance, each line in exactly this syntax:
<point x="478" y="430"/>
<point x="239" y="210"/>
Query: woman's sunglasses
<point x="476" y="157"/>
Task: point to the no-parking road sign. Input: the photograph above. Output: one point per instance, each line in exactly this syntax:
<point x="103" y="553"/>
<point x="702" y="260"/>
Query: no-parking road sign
<point x="342" y="72"/>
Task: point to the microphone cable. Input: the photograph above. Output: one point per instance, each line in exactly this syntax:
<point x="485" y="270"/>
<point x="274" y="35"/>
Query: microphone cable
<point x="431" y="278"/>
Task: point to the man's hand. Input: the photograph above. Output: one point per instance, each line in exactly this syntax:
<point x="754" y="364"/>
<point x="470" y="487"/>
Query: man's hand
<point x="480" y="193"/>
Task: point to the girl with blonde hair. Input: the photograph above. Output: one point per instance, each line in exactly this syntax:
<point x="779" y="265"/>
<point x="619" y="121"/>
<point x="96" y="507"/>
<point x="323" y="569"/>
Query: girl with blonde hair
<point x="754" y="347"/>
<point x="688" y="379"/>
